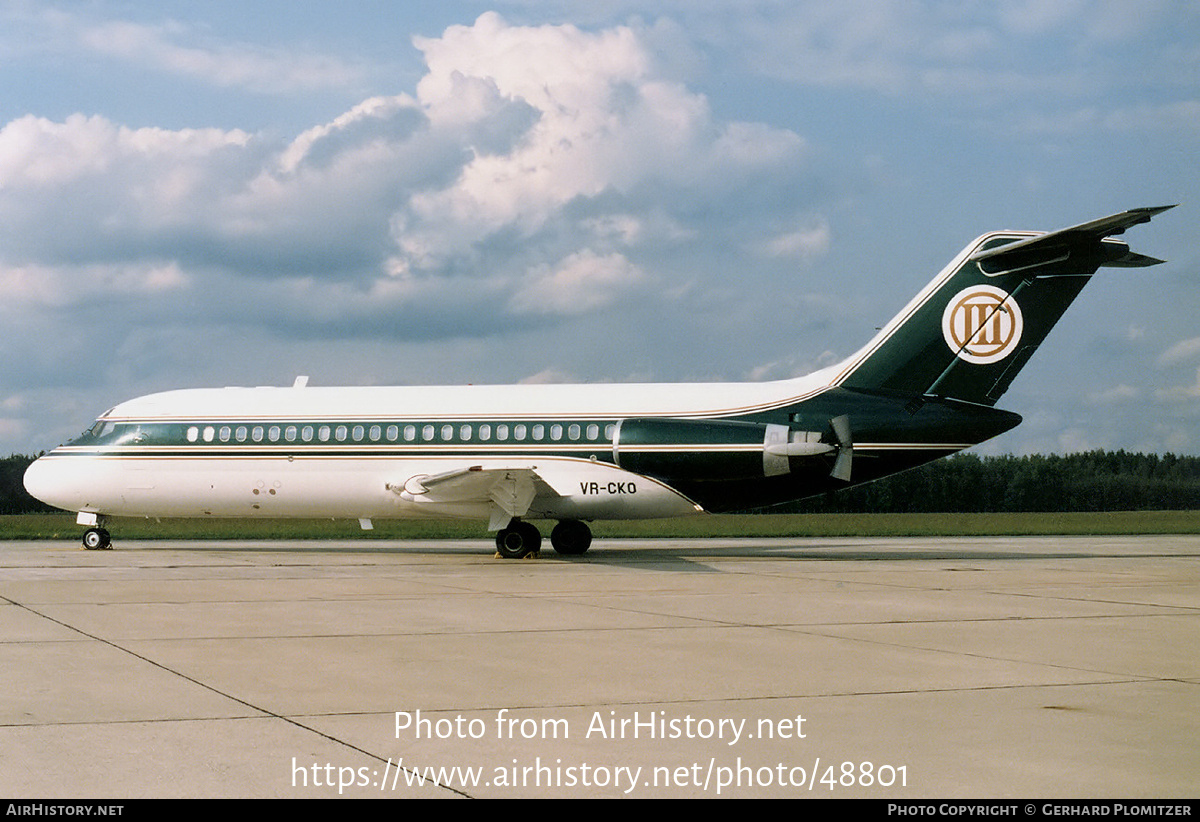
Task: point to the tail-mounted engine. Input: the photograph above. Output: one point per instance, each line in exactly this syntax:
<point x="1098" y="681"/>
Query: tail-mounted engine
<point x="722" y="450"/>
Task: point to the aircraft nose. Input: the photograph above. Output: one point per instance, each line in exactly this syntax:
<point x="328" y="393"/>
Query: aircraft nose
<point x="44" y="479"/>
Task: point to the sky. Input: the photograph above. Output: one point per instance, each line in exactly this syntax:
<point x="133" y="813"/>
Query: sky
<point x="380" y="193"/>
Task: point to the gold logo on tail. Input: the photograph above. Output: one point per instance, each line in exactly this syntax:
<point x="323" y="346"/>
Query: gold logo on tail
<point x="982" y="324"/>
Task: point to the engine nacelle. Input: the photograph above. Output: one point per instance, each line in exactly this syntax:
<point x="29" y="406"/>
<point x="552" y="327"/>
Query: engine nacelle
<point x="711" y="449"/>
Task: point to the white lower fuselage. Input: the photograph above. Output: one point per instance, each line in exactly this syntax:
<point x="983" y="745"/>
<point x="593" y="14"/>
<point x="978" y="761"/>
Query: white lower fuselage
<point x="341" y="488"/>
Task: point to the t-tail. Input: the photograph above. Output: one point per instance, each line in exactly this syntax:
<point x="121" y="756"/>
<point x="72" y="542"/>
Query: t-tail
<point x="969" y="332"/>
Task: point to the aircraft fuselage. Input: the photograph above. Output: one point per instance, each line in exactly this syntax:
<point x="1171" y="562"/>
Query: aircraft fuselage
<point x="289" y="452"/>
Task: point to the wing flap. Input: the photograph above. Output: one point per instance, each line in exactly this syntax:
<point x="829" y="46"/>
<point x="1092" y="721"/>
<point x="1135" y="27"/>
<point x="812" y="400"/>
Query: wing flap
<point x="510" y="490"/>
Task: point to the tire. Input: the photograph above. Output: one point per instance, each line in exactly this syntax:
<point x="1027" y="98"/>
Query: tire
<point x="96" y="539"/>
<point x="571" y="537"/>
<point x="518" y="540"/>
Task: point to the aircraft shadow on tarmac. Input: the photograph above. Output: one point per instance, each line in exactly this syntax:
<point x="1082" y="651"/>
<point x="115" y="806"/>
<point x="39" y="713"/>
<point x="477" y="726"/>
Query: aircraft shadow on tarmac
<point x="695" y="555"/>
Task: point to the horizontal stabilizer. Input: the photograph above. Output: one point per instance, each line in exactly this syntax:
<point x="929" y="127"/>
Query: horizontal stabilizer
<point x="1057" y="246"/>
<point x="1134" y="260"/>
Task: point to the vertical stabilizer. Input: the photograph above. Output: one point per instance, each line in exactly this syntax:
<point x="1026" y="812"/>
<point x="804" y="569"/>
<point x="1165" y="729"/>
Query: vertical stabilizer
<point x="969" y="332"/>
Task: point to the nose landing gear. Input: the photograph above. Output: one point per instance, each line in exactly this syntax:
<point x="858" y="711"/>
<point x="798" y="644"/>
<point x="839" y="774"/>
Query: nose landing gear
<point x="97" y="539"/>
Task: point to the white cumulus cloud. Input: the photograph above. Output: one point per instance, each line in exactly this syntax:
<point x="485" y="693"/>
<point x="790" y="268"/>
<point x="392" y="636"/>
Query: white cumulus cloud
<point x="581" y="283"/>
<point x="605" y="122"/>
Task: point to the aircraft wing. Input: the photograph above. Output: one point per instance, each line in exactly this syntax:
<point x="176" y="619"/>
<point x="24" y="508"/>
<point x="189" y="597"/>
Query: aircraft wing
<point x="1056" y="246"/>
<point x="510" y="489"/>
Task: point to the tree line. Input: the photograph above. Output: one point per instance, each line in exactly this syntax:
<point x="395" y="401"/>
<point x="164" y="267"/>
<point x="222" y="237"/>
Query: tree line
<point x="1089" y="481"/>
<point x="966" y="483"/>
<point x="14" y="499"/>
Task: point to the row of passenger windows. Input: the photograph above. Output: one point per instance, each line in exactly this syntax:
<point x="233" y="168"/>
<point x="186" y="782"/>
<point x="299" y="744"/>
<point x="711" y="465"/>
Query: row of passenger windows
<point x="464" y="432"/>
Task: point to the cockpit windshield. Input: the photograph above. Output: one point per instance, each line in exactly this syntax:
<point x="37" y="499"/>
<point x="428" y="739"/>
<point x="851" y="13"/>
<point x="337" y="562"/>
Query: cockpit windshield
<point x="107" y="432"/>
<point x="102" y="428"/>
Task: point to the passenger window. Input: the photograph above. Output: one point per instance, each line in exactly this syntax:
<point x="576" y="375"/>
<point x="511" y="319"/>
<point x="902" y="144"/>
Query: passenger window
<point x="323" y="433"/>
<point x="358" y="433"/>
<point x="539" y="431"/>
<point x="464" y="433"/>
<point x="257" y="433"/>
<point x="340" y="433"/>
<point x="518" y="432"/>
<point x="610" y="430"/>
<point x="556" y="432"/>
<point x="240" y="434"/>
<point x="193" y="434"/>
<point x="485" y="432"/>
<point x="410" y="433"/>
<point x="226" y="433"/>
<point x="306" y="433"/>
<point x="209" y="433"/>
<point x="573" y="432"/>
<point x="393" y="433"/>
<point x="427" y="433"/>
<point x="447" y="433"/>
<point x="593" y="431"/>
<point x="273" y="433"/>
<point x="501" y="432"/>
<point x="289" y="433"/>
<point x="376" y="433"/>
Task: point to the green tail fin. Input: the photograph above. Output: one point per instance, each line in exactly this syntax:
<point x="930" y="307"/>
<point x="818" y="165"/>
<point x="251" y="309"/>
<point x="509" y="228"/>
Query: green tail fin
<point x="969" y="332"/>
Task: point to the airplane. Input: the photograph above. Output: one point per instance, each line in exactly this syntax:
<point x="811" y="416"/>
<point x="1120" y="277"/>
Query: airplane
<point x="924" y="387"/>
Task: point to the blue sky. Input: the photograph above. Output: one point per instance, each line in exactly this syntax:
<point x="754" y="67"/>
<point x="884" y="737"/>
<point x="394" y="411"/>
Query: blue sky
<point x="385" y="193"/>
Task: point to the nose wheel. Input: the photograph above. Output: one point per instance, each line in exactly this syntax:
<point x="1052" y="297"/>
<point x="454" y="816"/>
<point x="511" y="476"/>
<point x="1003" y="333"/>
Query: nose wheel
<point x="97" y="539"/>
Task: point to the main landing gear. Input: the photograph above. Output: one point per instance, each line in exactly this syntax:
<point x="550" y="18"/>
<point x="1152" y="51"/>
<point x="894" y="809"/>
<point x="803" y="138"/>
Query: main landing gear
<point x="521" y="539"/>
<point x="518" y="540"/>
<point x="571" y="537"/>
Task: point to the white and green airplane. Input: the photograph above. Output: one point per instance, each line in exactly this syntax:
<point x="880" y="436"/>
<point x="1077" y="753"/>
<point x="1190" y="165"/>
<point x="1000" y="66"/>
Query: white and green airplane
<point x="923" y="388"/>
